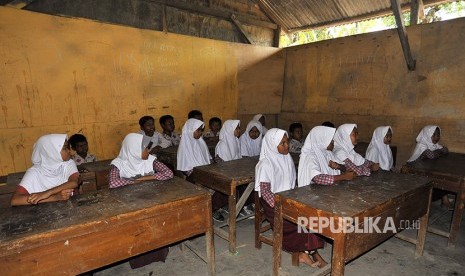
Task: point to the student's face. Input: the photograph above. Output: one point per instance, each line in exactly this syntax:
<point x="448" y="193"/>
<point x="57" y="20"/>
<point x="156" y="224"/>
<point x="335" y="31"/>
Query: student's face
<point x="168" y="126"/>
<point x="297" y="134"/>
<point x="198" y="133"/>
<point x="331" y="146"/>
<point x="388" y="137"/>
<point x="82" y="148"/>
<point x="254" y="133"/>
<point x="436" y="136"/>
<point x="145" y="154"/>
<point x="65" y="155"/>
<point x="262" y="121"/>
<point x="354" y="136"/>
<point x="237" y="131"/>
<point x="215" y="127"/>
<point x="283" y="147"/>
<point x="148" y="128"/>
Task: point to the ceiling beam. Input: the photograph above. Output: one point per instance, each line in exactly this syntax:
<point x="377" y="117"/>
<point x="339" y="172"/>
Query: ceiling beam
<point x="274" y="16"/>
<point x="241" y="29"/>
<point x="417" y="12"/>
<point x="402" y="31"/>
<point x="19" y="4"/>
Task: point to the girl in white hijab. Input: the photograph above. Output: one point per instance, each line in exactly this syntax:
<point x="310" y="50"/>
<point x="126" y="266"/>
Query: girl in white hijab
<point x="135" y="163"/>
<point x="315" y="165"/>
<point x="275" y="172"/>
<point x="192" y="151"/>
<point x="251" y="139"/>
<point x="53" y="175"/>
<point x="345" y="140"/>
<point x="262" y="119"/>
<point x="427" y="144"/>
<point x="228" y="148"/>
<point x="379" y="150"/>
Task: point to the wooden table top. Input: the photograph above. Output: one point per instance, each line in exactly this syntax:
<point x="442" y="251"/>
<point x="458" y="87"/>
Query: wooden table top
<point x="240" y="170"/>
<point x="452" y="164"/>
<point x="353" y="198"/>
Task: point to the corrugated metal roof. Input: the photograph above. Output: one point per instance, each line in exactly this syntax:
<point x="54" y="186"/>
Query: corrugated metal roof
<point x="306" y="14"/>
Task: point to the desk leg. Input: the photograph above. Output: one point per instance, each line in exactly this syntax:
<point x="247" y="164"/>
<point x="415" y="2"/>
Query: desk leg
<point x="420" y="244"/>
<point x="277" y="235"/>
<point x="339" y="252"/>
<point x="457" y="217"/>
<point x="244" y="197"/>
<point x="232" y="222"/>
<point x="209" y="236"/>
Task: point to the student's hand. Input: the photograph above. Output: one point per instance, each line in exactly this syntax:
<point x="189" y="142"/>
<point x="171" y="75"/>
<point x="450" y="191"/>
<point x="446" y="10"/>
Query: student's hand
<point x="333" y="165"/>
<point x="37" y="197"/>
<point x="64" y="194"/>
<point x="374" y="167"/>
<point x="349" y="175"/>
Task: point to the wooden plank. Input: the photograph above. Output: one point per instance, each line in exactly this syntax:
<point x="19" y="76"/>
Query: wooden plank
<point x="241" y="29"/>
<point x="402" y="31"/>
<point x="417" y="11"/>
<point x="268" y="10"/>
<point x="19" y="4"/>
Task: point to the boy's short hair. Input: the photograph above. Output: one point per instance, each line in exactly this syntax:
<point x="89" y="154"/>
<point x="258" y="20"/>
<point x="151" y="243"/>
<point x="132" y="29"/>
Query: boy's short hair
<point x="144" y="119"/>
<point x="76" y="138"/>
<point x="294" y="126"/>
<point x="214" y="119"/>
<point x="193" y="114"/>
<point x="165" y="118"/>
<point x="328" y="124"/>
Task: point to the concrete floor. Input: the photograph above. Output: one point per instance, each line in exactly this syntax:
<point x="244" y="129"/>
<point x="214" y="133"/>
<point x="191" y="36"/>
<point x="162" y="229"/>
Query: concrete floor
<point x="393" y="257"/>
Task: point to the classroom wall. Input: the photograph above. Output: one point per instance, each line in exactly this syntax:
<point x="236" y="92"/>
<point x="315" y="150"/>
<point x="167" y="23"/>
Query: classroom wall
<point x="74" y="75"/>
<point x="364" y="79"/>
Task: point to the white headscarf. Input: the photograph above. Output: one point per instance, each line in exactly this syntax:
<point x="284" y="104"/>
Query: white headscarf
<point x="192" y="152"/>
<point x="378" y="151"/>
<point x="228" y="148"/>
<point x="249" y="146"/>
<point x="129" y="161"/>
<point x="48" y="170"/>
<point x="315" y="157"/>
<point x="424" y="142"/>
<point x="273" y="167"/>
<point x="343" y="147"/>
<point x="257" y="118"/>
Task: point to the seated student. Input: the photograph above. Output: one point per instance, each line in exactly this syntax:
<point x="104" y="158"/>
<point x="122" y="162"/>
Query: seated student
<point x="328" y="124"/>
<point x="315" y="165"/>
<point x="345" y="140"/>
<point x="79" y="145"/>
<point x="251" y="139"/>
<point x="215" y="126"/>
<point x="133" y="165"/>
<point x="427" y="147"/>
<point x="147" y="129"/>
<point x="195" y="114"/>
<point x="229" y="148"/>
<point x="275" y="172"/>
<point x="295" y="137"/>
<point x="378" y="150"/>
<point x="53" y="175"/>
<point x="261" y="118"/>
<point x="168" y="138"/>
<point x="193" y="152"/>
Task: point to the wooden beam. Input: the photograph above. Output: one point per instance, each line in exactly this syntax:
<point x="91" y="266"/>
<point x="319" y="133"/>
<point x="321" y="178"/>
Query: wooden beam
<point x="275" y="17"/>
<point x="245" y="19"/>
<point x="277" y="37"/>
<point x="19" y="4"/>
<point x="241" y="29"/>
<point x="402" y="31"/>
<point x="417" y="12"/>
<point x="165" y="25"/>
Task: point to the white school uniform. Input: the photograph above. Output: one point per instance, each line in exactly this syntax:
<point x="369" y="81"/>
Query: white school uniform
<point x="378" y="151"/>
<point x="192" y="152"/>
<point x="228" y="147"/>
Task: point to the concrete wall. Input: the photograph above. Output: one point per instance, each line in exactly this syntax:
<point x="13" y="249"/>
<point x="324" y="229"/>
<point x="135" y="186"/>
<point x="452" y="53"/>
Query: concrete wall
<point x="65" y="75"/>
<point x="364" y="79"/>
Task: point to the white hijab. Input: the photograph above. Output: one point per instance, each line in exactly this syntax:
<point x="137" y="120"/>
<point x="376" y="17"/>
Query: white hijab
<point x="257" y="118"/>
<point x="48" y="170"/>
<point x="249" y="146"/>
<point x="228" y="148"/>
<point x="424" y="142"/>
<point x="343" y="147"/>
<point x="378" y="151"/>
<point x="129" y="161"/>
<point x="315" y="157"/>
<point x="192" y="152"/>
<point x="273" y="167"/>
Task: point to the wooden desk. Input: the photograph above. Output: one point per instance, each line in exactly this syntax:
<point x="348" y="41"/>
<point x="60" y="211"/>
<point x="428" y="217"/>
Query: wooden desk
<point x="448" y="174"/>
<point x="98" y="171"/>
<point x="225" y="177"/>
<point x="384" y="194"/>
<point x="100" y="228"/>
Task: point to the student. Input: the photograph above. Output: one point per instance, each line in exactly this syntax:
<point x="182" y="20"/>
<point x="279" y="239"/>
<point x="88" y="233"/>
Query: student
<point x="53" y="175"/>
<point x="215" y="126"/>
<point x="195" y="114"/>
<point x="328" y="124"/>
<point x="193" y="152"/>
<point x="295" y="137"/>
<point x="275" y="172"/>
<point x="228" y="148"/>
<point x="261" y="118"/>
<point x="251" y="139"/>
<point x="378" y="150"/>
<point x="168" y="138"/>
<point x="345" y="140"/>
<point x="79" y="145"/>
<point x="315" y="165"/>
<point x="428" y="147"/>
<point x="147" y="129"/>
